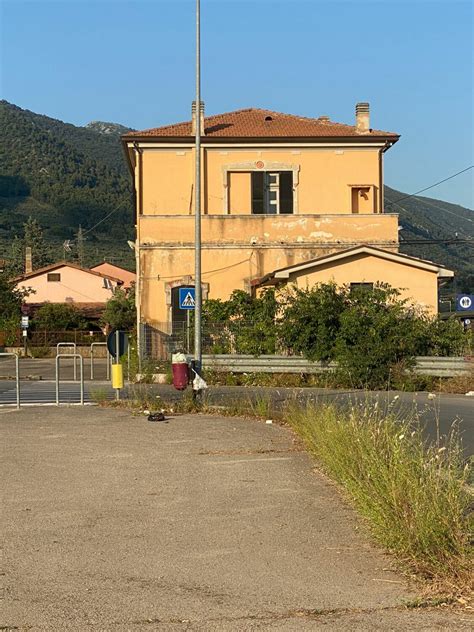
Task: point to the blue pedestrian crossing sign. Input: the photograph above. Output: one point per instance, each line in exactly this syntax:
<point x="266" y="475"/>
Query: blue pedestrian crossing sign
<point x="187" y="296"/>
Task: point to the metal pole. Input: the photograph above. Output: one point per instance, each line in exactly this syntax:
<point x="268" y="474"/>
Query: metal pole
<point x="81" y="365"/>
<point x="74" y="360"/>
<point x="108" y="359"/>
<point x="17" y="367"/>
<point x="188" y="342"/>
<point x="57" y="380"/>
<point x="92" y="361"/>
<point x="117" y="359"/>
<point x="128" y="361"/>
<point x="197" y="193"/>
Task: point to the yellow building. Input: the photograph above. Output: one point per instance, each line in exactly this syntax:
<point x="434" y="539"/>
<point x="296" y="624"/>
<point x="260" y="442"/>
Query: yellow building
<point x="278" y="191"/>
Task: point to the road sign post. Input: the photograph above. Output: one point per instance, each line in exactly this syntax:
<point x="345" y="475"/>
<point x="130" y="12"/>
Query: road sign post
<point x="187" y="301"/>
<point x="117" y="344"/>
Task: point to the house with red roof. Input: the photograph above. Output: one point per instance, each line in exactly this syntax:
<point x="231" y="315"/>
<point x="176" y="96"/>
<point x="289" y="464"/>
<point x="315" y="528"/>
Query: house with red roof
<point x="66" y="282"/>
<point x="285" y="198"/>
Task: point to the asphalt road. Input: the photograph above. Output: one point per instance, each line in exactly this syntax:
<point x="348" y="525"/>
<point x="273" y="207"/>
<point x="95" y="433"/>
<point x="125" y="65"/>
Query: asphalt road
<point x="112" y="523"/>
<point x="438" y="414"/>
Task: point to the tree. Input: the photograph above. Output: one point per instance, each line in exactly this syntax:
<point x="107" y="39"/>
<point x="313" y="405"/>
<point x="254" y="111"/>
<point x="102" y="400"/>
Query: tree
<point x="10" y="300"/>
<point x="243" y="324"/>
<point x="10" y="307"/>
<point x="311" y="319"/>
<point x="34" y="238"/>
<point x="120" y="311"/>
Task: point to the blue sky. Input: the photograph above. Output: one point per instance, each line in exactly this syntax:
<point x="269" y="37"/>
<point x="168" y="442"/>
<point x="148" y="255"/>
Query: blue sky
<point x="133" y="63"/>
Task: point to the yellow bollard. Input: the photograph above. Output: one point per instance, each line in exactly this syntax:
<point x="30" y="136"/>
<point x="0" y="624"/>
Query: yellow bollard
<point x="117" y="376"/>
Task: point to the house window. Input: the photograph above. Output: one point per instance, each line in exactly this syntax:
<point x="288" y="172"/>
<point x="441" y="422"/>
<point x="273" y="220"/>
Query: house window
<point x="54" y="277"/>
<point x="362" y="286"/>
<point x="272" y="192"/>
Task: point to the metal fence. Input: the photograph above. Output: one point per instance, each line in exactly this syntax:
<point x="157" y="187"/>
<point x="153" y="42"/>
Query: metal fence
<point x="162" y="339"/>
<point x="51" y="338"/>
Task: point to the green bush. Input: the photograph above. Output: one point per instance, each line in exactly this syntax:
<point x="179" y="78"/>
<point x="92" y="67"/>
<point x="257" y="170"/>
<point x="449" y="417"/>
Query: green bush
<point x="40" y="352"/>
<point x="242" y="324"/>
<point x="310" y="321"/>
<point x="120" y="311"/>
<point x="371" y="333"/>
<point x="58" y="317"/>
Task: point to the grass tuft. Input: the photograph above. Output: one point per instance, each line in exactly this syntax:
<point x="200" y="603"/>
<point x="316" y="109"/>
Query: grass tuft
<point x="414" y="496"/>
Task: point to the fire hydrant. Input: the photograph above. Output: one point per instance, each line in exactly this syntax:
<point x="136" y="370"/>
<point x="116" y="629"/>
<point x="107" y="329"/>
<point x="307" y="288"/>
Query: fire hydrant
<point x="180" y="369"/>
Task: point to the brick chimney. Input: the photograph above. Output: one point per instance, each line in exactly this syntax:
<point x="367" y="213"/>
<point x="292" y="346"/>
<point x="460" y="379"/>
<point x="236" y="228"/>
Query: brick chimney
<point x="201" y="118"/>
<point x="362" y="118"/>
<point x="28" y="260"/>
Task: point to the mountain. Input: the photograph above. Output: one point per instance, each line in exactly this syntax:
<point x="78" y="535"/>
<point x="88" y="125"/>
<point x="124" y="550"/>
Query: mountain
<point x="64" y="176"/>
<point x="67" y="176"/>
<point x="427" y="219"/>
<point x="114" y="129"/>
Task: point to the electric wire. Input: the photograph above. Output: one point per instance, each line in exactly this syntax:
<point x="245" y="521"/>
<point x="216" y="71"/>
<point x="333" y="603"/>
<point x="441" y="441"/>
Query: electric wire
<point x="431" y="186"/>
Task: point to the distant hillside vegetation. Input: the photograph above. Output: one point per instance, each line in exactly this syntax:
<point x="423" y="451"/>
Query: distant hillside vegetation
<point x="423" y="218"/>
<point x="66" y="176"/>
<point x="114" y="129"/>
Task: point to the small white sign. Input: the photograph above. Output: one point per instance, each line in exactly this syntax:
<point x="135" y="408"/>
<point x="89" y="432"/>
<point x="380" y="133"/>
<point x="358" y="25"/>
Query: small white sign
<point x="25" y="321"/>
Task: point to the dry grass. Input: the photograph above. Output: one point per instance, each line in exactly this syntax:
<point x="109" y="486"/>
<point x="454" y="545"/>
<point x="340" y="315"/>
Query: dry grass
<point x="414" y="496"/>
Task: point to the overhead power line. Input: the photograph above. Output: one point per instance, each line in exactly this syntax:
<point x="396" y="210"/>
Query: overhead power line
<point x="405" y="197"/>
<point x="446" y="242"/>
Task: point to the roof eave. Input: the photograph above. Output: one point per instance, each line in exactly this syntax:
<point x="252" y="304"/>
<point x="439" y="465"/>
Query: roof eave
<point x="261" y="139"/>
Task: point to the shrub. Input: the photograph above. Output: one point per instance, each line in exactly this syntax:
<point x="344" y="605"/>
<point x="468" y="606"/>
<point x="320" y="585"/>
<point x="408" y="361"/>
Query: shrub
<point x="58" y="317"/>
<point x="311" y="320"/>
<point x="120" y="311"/>
<point x="40" y="352"/>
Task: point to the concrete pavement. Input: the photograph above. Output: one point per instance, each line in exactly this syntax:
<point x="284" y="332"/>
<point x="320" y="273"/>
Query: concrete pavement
<point x="204" y="523"/>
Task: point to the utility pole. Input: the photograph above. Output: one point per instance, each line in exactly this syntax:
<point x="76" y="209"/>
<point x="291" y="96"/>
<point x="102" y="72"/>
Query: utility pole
<point x="80" y="246"/>
<point x="197" y="205"/>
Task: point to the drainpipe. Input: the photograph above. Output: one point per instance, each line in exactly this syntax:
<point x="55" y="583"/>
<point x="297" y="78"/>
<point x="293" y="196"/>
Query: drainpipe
<point x="382" y="150"/>
<point x="138" y="284"/>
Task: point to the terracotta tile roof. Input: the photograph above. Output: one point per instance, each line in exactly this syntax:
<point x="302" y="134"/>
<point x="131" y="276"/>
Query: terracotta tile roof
<point x="256" y="123"/>
<point x="62" y="264"/>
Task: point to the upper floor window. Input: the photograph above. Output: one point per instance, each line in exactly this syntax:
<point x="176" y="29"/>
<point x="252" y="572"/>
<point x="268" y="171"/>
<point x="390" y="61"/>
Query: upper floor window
<point x="363" y="199"/>
<point x="54" y="276"/>
<point x="272" y="192"/>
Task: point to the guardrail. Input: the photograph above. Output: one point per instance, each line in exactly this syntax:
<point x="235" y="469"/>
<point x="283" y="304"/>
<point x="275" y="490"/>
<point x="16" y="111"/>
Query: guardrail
<point x="435" y="366"/>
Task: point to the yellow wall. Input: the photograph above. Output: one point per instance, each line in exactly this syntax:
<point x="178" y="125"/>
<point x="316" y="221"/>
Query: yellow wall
<point x="419" y="286"/>
<point x="223" y="270"/>
<point x="239" y="247"/>
<point x="325" y="178"/>
<point x="273" y="229"/>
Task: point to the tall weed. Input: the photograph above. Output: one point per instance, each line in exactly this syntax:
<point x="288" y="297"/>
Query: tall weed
<point x="414" y="495"/>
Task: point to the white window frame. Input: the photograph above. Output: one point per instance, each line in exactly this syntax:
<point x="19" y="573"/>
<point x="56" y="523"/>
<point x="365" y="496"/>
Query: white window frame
<point x="259" y="165"/>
